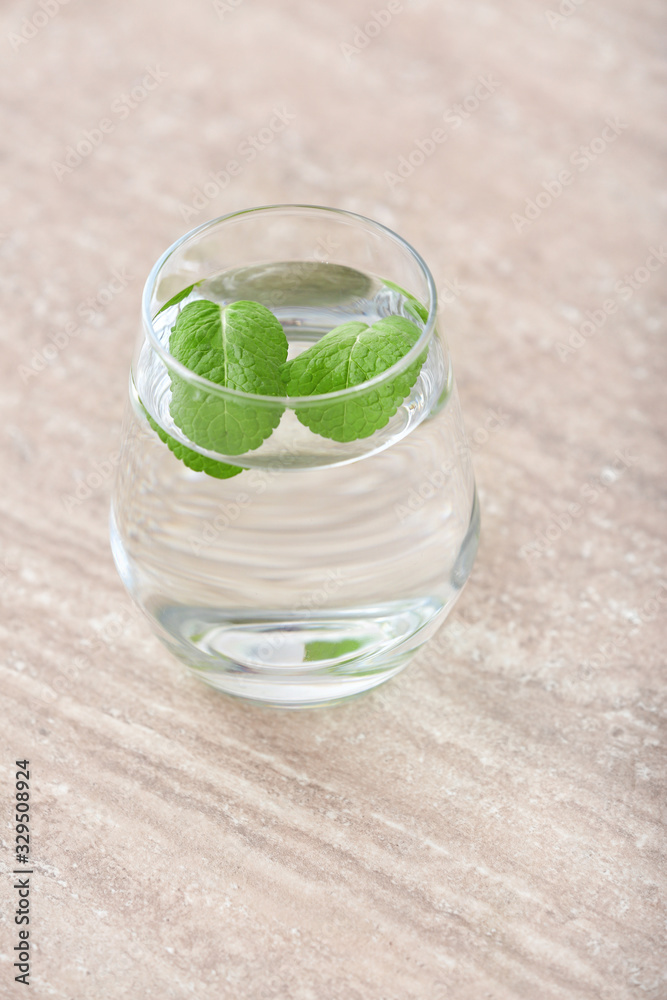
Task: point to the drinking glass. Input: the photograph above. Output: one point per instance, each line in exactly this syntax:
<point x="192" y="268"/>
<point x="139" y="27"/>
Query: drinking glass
<point x="307" y="569"/>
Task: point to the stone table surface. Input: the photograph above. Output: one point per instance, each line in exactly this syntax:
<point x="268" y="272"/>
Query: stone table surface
<point x="491" y="823"/>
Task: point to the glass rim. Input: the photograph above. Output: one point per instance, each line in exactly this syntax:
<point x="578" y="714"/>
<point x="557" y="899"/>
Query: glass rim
<point x="288" y="401"/>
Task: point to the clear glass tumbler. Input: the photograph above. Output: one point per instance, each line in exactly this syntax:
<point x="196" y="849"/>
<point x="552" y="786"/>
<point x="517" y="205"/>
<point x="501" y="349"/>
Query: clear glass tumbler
<point x="308" y="569"/>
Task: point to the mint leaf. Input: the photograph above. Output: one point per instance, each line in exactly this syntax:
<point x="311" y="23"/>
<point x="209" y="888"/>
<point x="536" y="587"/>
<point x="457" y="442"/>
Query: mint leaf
<point x="193" y="460"/>
<point x="327" y="649"/>
<point x="414" y="306"/>
<point x="240" y="346"/>
<point x="347" y="356"/>
<point x="175" y="299"/>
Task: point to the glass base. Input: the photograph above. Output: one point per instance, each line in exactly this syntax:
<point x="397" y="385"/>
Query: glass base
<point x="294" y="661"/>
<point x="291" y="660"/>
<point x="295" y="691"/>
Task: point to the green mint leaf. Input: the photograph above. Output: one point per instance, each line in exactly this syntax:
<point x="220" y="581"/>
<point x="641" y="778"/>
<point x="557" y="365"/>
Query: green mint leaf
<point x="193" y="460"/>
<point x="175" y="299"/>
<point x="349" y="355"/>
<point x="326" y="649"/>
<point x="240" y="346"/>
<point x="414" y="306"/>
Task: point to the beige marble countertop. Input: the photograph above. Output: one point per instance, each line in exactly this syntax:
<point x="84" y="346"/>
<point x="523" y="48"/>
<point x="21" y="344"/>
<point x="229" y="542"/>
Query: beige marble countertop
<point x="490" y="824"/>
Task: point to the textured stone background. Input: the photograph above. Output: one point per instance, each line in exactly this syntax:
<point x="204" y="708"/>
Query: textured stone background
<point x="490" y="825"/>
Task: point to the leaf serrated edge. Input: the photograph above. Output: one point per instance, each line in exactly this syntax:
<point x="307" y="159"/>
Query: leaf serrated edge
<point x="213" y="467"/>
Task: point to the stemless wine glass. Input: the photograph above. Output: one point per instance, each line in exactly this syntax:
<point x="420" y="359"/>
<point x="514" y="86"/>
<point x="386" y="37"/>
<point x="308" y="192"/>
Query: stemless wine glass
<point x="308" y="569"/>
